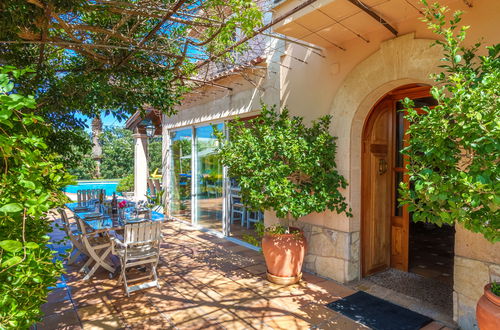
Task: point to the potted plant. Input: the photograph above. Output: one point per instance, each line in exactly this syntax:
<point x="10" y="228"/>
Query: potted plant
<point x="488" y="307"/>
<point x="288" y="168"/>
<point x="126" y="186"/>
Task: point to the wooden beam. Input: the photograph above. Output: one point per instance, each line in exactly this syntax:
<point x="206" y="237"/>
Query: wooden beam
<point x="206" y="82"/>
<point x="374" y="15"/>
<point x="153" y="31"/>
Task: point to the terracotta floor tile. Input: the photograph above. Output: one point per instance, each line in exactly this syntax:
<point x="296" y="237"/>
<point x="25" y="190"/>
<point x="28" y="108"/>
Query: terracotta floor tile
<point x="237" y="248"/>
<point x="65" y="320"/>
<point x="128" y="309"/>
<point x="152" y="322"/>
<point x="95" y="312"/>
<point x="256" y="269"/>
<point x="226" y="320"/>
<point x="310" y="278"/>
<point x="104" y="323"/>
<point x="256" y="311"/>
<point x="93" y="298"/>
<point x="341" y="322"/>
<point x="326" y="292"/>
<point x="56" y="307"/>
<point x="57" y="295"/>
<point x="206" y="283"/>
<point x="190" y="314"/>
<point x="287" y="322"/>
<point x="315" y="313"/>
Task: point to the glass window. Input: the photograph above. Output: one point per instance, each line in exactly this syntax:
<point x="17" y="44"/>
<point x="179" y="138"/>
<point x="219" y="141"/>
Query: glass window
<point x="181" y="174"/>
<point x="209" y="179"/>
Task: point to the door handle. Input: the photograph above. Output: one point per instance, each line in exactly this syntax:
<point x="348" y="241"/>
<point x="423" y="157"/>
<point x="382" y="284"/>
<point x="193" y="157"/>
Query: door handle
<point x="382" y="166"/>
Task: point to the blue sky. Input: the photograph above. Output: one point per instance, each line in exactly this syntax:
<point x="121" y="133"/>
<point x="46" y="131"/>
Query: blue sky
<point x="108" y="120"/>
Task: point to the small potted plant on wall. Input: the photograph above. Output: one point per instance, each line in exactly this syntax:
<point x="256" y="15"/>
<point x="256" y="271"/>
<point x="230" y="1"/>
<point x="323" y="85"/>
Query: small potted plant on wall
<point x="288" y="168"/>
<point x="126" y="186"/>
<point x="488" y="308"/>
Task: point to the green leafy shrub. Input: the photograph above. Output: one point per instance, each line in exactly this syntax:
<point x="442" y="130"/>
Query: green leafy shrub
<point x="30" y="182"/>
<point x="284" y="166"/>
<point x="126" y="184"/>
<point x="454" y="149"/>
<point x="495" y="288"/>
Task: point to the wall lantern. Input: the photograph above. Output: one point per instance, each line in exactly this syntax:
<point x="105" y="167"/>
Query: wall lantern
<point x="150" y="128"/>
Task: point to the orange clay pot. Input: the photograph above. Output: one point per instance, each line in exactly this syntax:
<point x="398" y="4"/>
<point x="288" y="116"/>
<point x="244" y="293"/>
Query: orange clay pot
<point x="284" y="254"/>
<point x="488" y="310"/>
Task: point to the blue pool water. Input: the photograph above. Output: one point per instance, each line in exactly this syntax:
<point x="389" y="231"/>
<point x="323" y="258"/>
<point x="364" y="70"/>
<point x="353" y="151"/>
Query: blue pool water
<point x="109" y="186"/>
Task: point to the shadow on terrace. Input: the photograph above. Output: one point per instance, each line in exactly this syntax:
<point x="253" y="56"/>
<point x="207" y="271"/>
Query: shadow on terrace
<point x="205" y="282"/>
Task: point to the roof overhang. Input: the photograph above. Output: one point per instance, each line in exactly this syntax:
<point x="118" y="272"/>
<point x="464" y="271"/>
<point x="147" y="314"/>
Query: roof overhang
<point x="136" y="122"/>
<point x="332" y="23"/>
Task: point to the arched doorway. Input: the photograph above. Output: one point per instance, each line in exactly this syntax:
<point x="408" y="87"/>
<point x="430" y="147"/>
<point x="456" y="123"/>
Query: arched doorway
<point x="385" y="227"/>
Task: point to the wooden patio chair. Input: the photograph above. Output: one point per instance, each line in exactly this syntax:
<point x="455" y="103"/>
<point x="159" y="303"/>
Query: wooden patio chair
<point x="98" y="248"/>
<point x="237" y="207"/>
<point x="75" y="237"/>
<point x="140" y="246"/>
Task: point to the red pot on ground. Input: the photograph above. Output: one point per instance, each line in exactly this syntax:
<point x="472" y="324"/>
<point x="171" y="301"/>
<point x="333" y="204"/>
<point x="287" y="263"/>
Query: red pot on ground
<point x="284" y="255"/>
<point x="488" y="310"/>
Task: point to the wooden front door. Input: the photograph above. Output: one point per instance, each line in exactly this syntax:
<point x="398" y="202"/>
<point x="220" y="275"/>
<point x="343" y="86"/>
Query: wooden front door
<point x="376" y="188"/>
<point x="385" y="225"/>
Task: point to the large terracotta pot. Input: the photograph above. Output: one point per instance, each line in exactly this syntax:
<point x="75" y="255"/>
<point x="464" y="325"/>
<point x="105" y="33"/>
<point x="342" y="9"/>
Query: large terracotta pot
<point x="488" y="310"/>
<point x="284" y="254"/>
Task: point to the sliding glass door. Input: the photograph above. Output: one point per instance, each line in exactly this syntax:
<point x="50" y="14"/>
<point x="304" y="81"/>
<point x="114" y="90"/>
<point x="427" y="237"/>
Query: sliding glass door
<point x="209" y="179"/>
<point x="199" y="191"/>
<point x="181" y="174"/>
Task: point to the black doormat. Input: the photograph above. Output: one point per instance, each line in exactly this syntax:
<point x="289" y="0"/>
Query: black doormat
<point x="377" y="313"/>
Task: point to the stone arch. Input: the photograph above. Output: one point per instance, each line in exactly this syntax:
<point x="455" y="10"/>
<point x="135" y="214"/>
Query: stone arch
<point x="400" y="61"/>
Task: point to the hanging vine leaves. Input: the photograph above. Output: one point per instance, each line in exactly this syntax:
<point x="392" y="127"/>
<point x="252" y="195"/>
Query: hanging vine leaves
<point x="118" y="55"/>
<point x="455" y="147"/>
<point x="30" y="183"/>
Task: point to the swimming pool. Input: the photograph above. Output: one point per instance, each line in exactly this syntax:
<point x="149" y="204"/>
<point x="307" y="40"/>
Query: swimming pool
<point x="108" y="186"/>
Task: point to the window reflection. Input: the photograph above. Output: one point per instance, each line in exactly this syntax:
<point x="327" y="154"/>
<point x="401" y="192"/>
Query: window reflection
<point x="180" y="150"/>
<point x="209" y="179"/>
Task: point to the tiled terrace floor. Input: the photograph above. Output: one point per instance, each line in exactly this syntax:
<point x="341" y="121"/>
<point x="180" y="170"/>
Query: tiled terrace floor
<point x="206" y="282"/>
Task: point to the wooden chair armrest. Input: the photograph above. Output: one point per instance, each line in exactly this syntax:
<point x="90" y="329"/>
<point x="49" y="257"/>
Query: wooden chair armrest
<point x="116" y="241"/>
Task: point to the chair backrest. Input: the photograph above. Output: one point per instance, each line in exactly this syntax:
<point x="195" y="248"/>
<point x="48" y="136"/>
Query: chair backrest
<point x="142" y="232"/>
<point x="235" y="195"/>
<point x="65" y="220"/>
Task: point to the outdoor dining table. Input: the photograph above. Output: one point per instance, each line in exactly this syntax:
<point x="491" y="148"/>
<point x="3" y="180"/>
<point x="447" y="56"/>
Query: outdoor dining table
<point x="104" y="224"/>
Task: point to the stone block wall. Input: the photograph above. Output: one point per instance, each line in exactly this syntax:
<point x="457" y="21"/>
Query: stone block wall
<point x="330" y="253"/>
<point x="477" y="263"/>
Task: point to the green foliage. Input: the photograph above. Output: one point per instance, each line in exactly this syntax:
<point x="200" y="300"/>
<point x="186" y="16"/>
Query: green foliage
<point x="495" y="288"/>
<point x="91" y="64"/>
<point x="155" y="151"/>
<point x="284" y="166"/>
<point x="261" y="230"/>
<point x="109" y="76"/>
<point x="30" y="182"/>
<point x="84" y="168"/>
<point x="455" y="147"/>
<point x="117" y="153"/>
<point x="126" y="184"/>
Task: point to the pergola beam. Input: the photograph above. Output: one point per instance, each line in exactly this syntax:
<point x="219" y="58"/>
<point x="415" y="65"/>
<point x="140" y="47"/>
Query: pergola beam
<point x="374" y="15"/>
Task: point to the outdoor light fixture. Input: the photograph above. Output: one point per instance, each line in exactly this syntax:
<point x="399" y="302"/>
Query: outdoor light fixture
<point x="150" y="128"/>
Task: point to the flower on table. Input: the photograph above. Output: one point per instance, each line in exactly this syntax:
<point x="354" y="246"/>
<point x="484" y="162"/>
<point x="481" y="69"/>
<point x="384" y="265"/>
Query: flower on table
<point x="122" y="204"/>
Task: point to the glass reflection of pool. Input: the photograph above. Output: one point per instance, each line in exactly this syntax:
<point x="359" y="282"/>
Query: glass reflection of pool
<point x="108" y="186"/>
